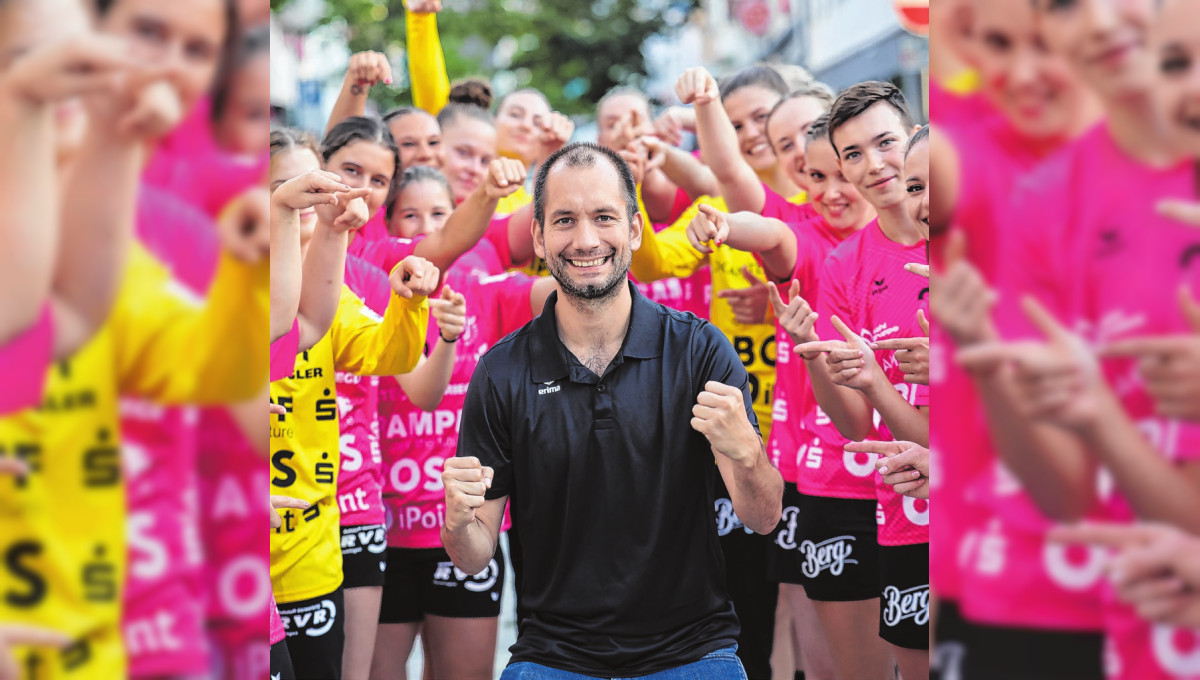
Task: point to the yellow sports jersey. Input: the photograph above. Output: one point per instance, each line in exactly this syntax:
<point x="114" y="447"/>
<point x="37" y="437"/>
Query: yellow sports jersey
<point x="426" y="62"/>
<point x="306" y="552"/>
<point x="669" y="254"/>
<point x="62" y="530"/>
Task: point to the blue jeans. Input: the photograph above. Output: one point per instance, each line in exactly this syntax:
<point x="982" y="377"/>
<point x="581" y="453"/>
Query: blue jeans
<point x="722" y="664"/>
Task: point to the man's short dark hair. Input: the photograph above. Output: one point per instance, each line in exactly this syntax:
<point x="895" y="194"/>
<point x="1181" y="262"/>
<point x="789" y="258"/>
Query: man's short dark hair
<point x="582" y="155"/>
<point x="856" y="99"/>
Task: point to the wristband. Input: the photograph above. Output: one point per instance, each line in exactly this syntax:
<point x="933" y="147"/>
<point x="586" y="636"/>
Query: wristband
<point x="448" y="342"/>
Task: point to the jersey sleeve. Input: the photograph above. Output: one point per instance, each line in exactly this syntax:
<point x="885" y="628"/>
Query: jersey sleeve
<point x="386" y="253"/>
<point x="722" y="364"/>
<point x="497" y="235"/>
<point x="484" y="433"/>
<point x="24" y="361"/>
<point x="173" y="349"/>
<point x="508" y="294"/>
<point x="426" y="62"/>
<point x="284" y="351"/>
<point x="667" y="254"/>
<point x="365" y="344"/>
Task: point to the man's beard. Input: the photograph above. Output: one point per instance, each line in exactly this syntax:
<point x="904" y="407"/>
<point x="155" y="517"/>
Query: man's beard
<point x="591" y="292"/>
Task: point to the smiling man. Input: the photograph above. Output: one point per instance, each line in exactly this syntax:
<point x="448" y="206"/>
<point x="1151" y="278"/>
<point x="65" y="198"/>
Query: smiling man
<point x="600" y="420"/>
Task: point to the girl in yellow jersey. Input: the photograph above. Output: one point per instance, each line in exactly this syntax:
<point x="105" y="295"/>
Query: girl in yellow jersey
<point x="60" y="571"/>
<point x="305" y="551"/>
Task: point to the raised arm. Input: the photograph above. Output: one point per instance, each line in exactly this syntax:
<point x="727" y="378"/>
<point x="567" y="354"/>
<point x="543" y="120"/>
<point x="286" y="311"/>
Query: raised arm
<point x="684" y="169"/>
<point x="736" y="180"/>
<point x="774" y="242"/>
<point x="366" y="70"/>
<point x="426" y="62"/>
<point x="467" y="224"/>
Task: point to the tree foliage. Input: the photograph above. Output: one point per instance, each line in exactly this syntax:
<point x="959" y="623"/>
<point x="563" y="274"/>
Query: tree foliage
<point x="571" y="51"/>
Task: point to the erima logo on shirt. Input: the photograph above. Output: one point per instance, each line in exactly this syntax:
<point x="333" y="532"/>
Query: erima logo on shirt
<point x="550" y="387"/>
<point x="899" y="605"/>
<point x="879" y="287"/>
<point x="1190" y="253"/>
<point x="1110" y="242"/>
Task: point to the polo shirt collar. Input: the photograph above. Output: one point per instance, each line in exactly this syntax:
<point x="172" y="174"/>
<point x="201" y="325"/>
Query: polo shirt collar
<point x="548" y="357"/>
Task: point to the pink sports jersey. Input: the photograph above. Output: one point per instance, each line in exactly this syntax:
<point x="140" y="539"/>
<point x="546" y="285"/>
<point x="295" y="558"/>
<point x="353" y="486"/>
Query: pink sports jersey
<point x="24" y="361"/>
<point x="375" y="229"/>
<point x="1138" y="650"/>
<point x="416" y="443"/>
<point x="277" y="632"/>
<point x="284" y="351"/>
<point x="359" y="482"/>
<point x="1092" y="209"/>
<point x="790" y="441"/>
<point x="864" y="283"/>
<point x="163" y="616"/>
<point x="1013" y="577"/>
<point x="163" y="613"/>
<point x="781" y="209"/>
<point x="235" y="524"/>
<point x="497" y="235"/>
<point x="384" y="253"/>
<point x="824" y="469"/>
<point x="981" y="213"/>
<point x="950" y="108"/>
<point x="190" y="165"/>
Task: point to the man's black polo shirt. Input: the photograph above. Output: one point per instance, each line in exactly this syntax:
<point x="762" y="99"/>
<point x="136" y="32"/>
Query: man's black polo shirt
<point x="612" y="489"/>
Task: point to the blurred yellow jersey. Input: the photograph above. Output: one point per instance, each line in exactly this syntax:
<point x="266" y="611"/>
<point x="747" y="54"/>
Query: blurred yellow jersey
<point x="62" y="529"/>
<point x="306" y="552"/>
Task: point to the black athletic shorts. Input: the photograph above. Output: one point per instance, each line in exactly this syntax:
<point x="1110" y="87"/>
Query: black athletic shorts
<point x="281" y="662"/>
<point x="364" y="556"/>
<point x="754" y="596"/>
<point x="422" y="581"/>
<point x="827" y="545"/>
<point x="904" y="595"/>
<point x="316" y="635"/>
<point x="982" y="652"/>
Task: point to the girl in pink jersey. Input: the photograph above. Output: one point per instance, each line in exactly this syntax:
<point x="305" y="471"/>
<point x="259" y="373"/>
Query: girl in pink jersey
<point x="455" y="613"/>
<point x="826" y="495"/>
<point x="1012" y="587"/>
<point x="1077" y="206"/>
<point x="868" y="296"/>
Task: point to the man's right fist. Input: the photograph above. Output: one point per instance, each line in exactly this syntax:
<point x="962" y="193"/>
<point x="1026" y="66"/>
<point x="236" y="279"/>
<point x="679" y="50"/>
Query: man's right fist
<point x="466" y="481"/>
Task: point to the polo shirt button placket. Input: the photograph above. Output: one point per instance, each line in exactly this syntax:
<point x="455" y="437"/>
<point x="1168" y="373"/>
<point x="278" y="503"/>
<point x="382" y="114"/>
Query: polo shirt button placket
<point x="601" y="388"/>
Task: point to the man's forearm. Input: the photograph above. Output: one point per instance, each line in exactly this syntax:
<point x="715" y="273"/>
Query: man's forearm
<point x="470" y="547"/>
<point x="757" y="492"/>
